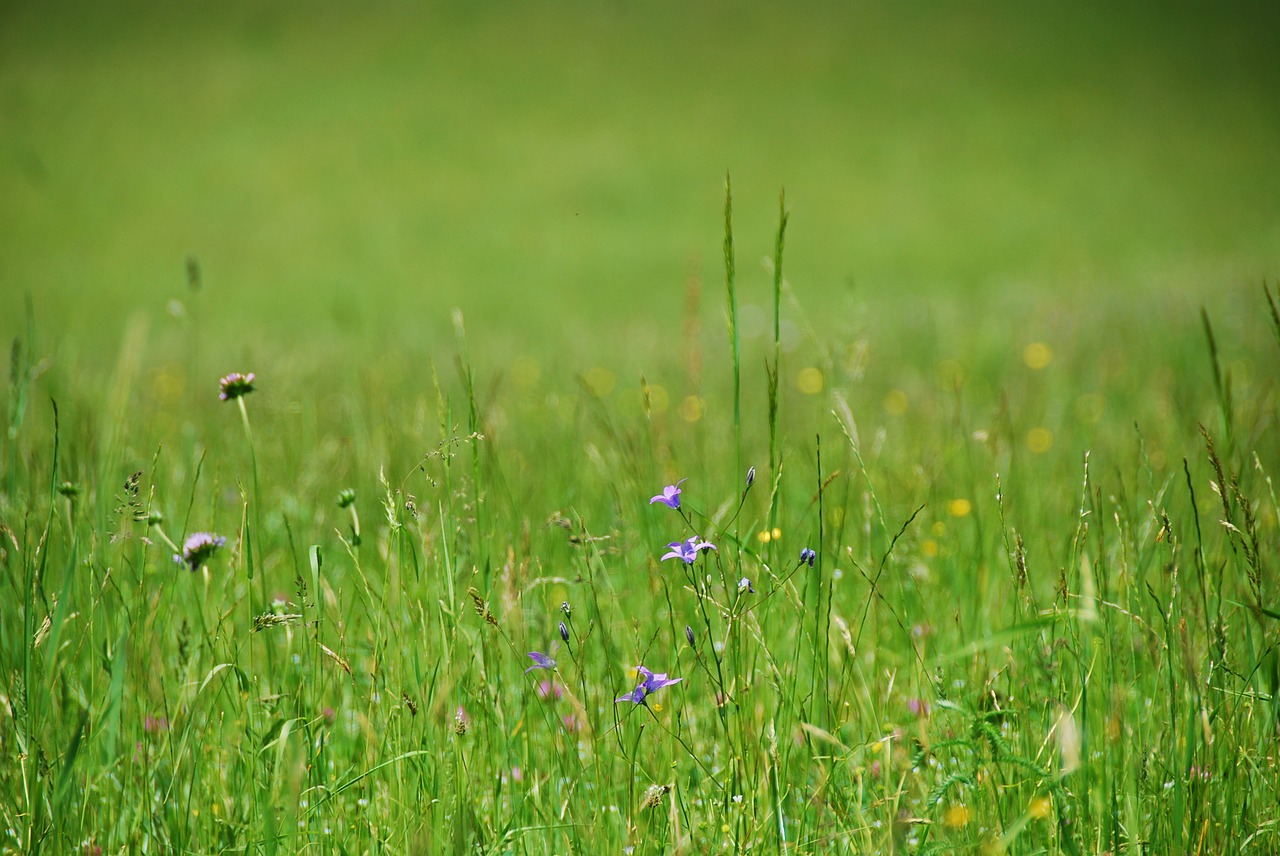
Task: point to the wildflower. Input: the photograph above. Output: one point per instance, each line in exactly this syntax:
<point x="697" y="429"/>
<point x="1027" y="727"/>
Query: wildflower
<point x="653" y="796"/>
<point x="550" y="690"/>
<point x="566" y="608"/>
<point x="199" y="549"/>
<point x="564" y="631"/>
<point x="1037" y="355"/>
<point x="651" y="684"/>
<point x="670" y="495"/>
<point x="540" y="661"/>
<point x="918" y="706"/>
<point x="687" y="550"/>
<point x="956" y="816"/>
<point x="346" y="497"/>
<point x="235" y="385"/>
<point x="751" y="477"/>
<point x="688" y="634"/>
<point x="155" y="724"/>
<point x="807" y="555"/>
<point x="461" y="721"/>
<point x="744" y="585"/>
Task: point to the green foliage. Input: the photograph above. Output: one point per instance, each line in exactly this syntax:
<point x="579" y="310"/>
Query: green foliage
<point x="1042" y="611"/>
<point x="1065" y="643"/>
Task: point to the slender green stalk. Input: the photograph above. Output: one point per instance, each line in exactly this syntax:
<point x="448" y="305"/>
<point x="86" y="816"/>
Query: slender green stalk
<point x="734" y="344"/>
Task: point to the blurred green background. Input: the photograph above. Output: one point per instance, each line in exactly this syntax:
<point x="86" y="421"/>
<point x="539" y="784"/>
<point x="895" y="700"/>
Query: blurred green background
<point x="352" y="172"/>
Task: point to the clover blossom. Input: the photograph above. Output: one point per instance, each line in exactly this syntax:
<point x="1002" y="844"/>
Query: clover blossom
<point x="651" y="684"/>
<point x="687" y="550"/>
<point x="670" y="495"/>
<point x="198" y="549"/>
<point x="235" y="385"/>
<point x="540" y="661"/>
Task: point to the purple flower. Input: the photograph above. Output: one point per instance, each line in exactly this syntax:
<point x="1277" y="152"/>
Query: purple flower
<point x="235" y="385"/>
<point x="564" y="631"/>
<point x="670" y="495"/>
<point x="688" y="634"/>
<point x="745" y="586"/>
<point x="687" y="550"/>
<point x="807" y="555"/>
<point x="636" y="696"/>
<point x="199" y="549"/>
<point x="540" y="661"/>
<point x="751" y="477"/>
<point x="651" y="684"/>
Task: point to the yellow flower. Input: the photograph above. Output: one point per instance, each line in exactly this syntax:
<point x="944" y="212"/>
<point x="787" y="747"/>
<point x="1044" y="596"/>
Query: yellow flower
<point x="692" y="408"/>
<point x="959" y="507"/>
<point x="956" y="816"/>
<point x="809" y="380"/>
<point x="1037" y="355"/>
<point x="1040" y="808"/>
<point x="600" y="381"/>
<point x="896" y="402"/>
<point x="1039" y="440"/>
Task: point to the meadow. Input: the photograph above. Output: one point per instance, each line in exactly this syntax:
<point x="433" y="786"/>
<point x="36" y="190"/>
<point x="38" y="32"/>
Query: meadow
<point x="416" y="444"/>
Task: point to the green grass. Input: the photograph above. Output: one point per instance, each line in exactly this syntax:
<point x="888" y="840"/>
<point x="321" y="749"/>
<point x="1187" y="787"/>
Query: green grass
<point x="1016" y="388"/>
<point x="1037" y="553"/>
<point x="362" y="174"/>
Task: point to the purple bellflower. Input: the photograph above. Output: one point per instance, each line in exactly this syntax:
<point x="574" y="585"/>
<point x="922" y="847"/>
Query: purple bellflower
<point x="670" y="495"/>
<point x="540" y="661"/>
<point x="687" y="550"/>
<point x="651" y="684"/>
<point x="198" y="549"/>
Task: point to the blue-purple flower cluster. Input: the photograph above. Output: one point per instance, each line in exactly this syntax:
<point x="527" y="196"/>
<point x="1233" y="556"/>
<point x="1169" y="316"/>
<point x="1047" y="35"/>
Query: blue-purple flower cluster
<point x="198" y="549"/>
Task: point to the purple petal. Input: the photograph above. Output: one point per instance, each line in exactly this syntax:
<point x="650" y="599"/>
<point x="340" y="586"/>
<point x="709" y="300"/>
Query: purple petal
<point x="540" y="661"/>
<point x="636" y="696"/>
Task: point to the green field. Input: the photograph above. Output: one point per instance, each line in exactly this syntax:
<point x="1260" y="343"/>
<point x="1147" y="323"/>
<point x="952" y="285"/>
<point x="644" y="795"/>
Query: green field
<point x="1005" y="373"/>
